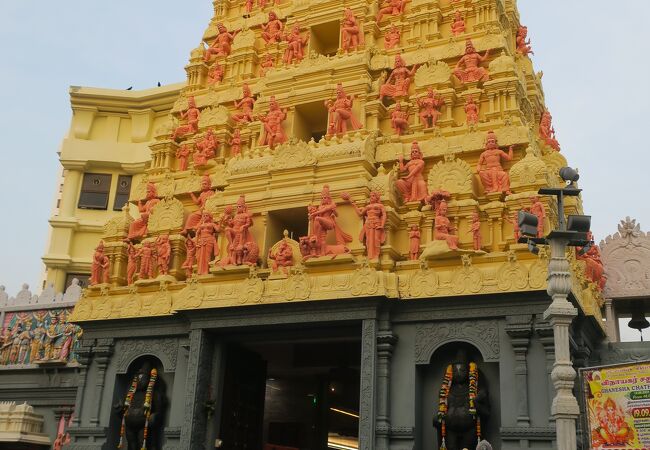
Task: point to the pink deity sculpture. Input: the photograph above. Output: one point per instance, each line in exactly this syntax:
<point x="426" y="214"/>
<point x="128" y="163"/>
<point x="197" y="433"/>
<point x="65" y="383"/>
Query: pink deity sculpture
<point x="194" y="218"/>
<point x="235" y="143"/>
<point x="295" y="50"/>
<point x="206" y="149"/>
<point x="514" y="221"/>
<point x="272" y="29"/>
<point x="190" y="257"/>
<point x="523" y="44"/>
<point x="414" y="242"/>
<point x="399" y="119"/>
<point x="458" y="25"/>
<point x="443" y="229"/>
<point x="547" y="132"/>
<point x="132" y="263"/>
<point x="392" y="8"/>
<point x="399" y="80"/>
<point x="392" y="37"/>
<point x="373" y="233"/>
<point x="594" y="270"/>
<point x="191" y="116"/>
<point x="322" y="220"/>
<point x="245" y="106"/>
<point x="475" y="230"/>
<point x="351" y="35"/>
<point x="222" y="44"/>
<point x="182" y="155"/>
<point x="206" y="243"/>
<point x="266" y="64"/>
<point x="436" y="198"/>
<point x="537" y="208"/>
<point x="412" y="186"/>
<point x="146" y="254"/>
<point x="163" y="254"/>
<point x="273" y="125"/>
<point x="489" y="168"/>
<point x="471" y="110"/>
<point x="248" y="6"/>
<point x="262" y="3"/>
<point x="282" y="258"/>
<point x="468" y="68"/>
<point x="215" y="74"/>
<point x="138" y="227"/>
<point x="242" y="248"/>
<point x="430" y="107"/>
<point x="100" y="267"/>
<point x="340" y="113"/>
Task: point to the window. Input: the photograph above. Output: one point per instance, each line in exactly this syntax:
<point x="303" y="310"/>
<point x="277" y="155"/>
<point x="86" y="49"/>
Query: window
<point x="94" y="191"/>
<point x="310" y="121"/>
<point x="123" y="192"/>
<point x="324" y="38"/>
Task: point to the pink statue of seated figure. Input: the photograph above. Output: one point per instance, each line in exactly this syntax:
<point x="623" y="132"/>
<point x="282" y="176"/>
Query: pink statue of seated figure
<point x="266" y="64"/>
<point x="471" y="111"/>
<point x="443" y="228"/>
<point x="272" y="29"/>
<point x="523" y="44"/>
<point x="458" y="25"/>
<point x="191" y="115"/>
<point x="100" y="268"/>
<point x="322" y="220"/>
<point x="222" y="44"/>
<point x="414" y="242"/>
<point x="206" y="149"/>
<point x="235" y="143"/>
<point x="245" y="106"/>
<point x="295" y="46"/>
<point x="138" y="227"/>
<point x="547" y="132"/>
<point x="206" y="243"/>
<point x="489" y="168"/>
<point x="351" y="36"/>
<point x="594" y="270"/>
<point x="393" y="8"/>
<point x="340" y="112"/>
<point x="273" y="125"/>
<point x="215" y="74"/>
<point x="399" y="80"/>
<point x="392" y="38"/>
<point x="194" y="218"/>
<point x="468" y="68"/>
<point x="282" y="258"/>
<point x="373" y="233"/>
<point x="399" y="119"/>
<point x="182" y="155"/>
<point x="475" y="230"/>
<point x="412" y="186"/>
<point x="430" y="106"/>
<point x="242" y="248"/>
<point x="163" y="254"/>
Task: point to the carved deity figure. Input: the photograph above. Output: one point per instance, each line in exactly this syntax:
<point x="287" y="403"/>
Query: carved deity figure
<point x="69" y="331"/>
<point x="399" y="119"/>
<point x="53" y="339"/>
<point x="132" y="263"/>
<point x="25" y="338"/>
<point x="222" y="44"/>
<point x="373" y="232"/>
<point x="194" y="218"/>
<point x="414" y="242"/>
<point x="468" y="68"/>
<point x="430" y="106"/>
<point x="282" y="258"/>
<point x="206" y="243"/>
<point x="322" y="220"/>
<point x="244" y="106"/>
<point x="146" y="255"/>
<point x="351" y="36"/>
<point x="443" y="229"/>
<point x="399" y="80"/>
<point x="206" y="148"/>
<point x="537" y="208"/>
<point x="273" y="125"/>
<point x="182" y="155"/>
<point x="190" y="258"/>
<point x="392" y="37"/>
<point x="458" y="25"/>
<point x="471" y="111"/>
<point x="523" y="44"/>
<point x="215" y="74"/>
<point x="493" y="177"/>
<point x="14" y="349"/>
<point x="295" y="50"/>
<point x="248" y="7"/>
<point x="272" y="29"/>
<point x="412" y="186"/>
<point x="392" y="7"/>
<point x="138" y="227"/>
<point x="100" y="267"/>
<point x="191" y="116"/>
<point x="475" y="230"/>
<point x="241" y="243"/>
<point x="38" y="342"/>
<point x="547" y="132"/>
<point x="340" y="112"/>
<point x="514" y="221"/>
<point x="266" y="64"/>
<point x="612" y="429"/>
<point x="163" y="254"/>
<point x="5" y="346"/>
<point x="235" y="143"/>
<point x="594" y="270"/>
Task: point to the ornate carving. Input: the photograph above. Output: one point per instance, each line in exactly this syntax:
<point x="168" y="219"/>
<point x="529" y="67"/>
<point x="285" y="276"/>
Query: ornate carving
<point x="252" y="288"/>
<point x="467" y="279"/>
<point x="483" y="334"/>
<point x="293" y="154"/>
<point x="364" y="281"/>
<point x="213" y="115"/>
<point x="529" y="172"/>
<point x="452" y="175"/>
<point x="166" y="216"/>
<point x="538" y="272"/>
<point x="423" y="283"/>
<point x="512" y="274"/>
<point x="191" y="296"/>
<point x="435" y="72"/>
<point x="129" y="350"/>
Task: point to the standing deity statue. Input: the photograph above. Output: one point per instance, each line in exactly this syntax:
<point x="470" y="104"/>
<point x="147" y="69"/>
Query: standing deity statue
<point x="67" y="338"/>
<point x="547" y="132"/>
<point x="414" y="242"/>
<point x="182" y="155"/>
<point x="206" y="148"/>
<point x="412" y="186"/>
<point x="523" y="44"/>
<point x="392" y="8"/>
<point x="399" y="80"/>
<point x="242" y="248"/>
<point x="475" y="230"/>
<point x="191" y="115"/>
<point x="471" y="111"/>
<point x="493" y="177"/>
<point x="273" y="125"/>
<point x="430" y="107"/>
<point x="25" y="337"/>
<point x="38" y="342"/>
<point x="5" y="346"/>
<point x="537" y="208"/>
<point x="514" y="221"/>
<point x="272" y="29"/>
<point x="322" y="220"/>
<point x="399" y="119"/>
<point x="295" y="46"/>
<point x="458" y="25"/>
<point x="100" y="267"/>
<point x="468" y="68"/>
<point x="14" y="349"/>
<point x="235" y="143"/>
<point x="245" y="106"/>
<point x="163" y="254"/>
<point x="351" y="36"/>
<point x="594" y="270"/>
<point x="206" y="243"/>
<point x="190" y="258"/>
<point x="132" y="263"/>
<point x="146" y="254"/>
<point x="443" y="229"/>
<point x="248" y="7"/>
<point x="373" y="232"/>
<point x="392" y="37"/>
<point x="138" y="228"/>
<point x="266" y="64"/>
<point x="215" y="74"/>
<point x="194" y="218"/>
<point x="53" y="339"/>
<point x="222" y="44"/>
<point x="340" y="113"/>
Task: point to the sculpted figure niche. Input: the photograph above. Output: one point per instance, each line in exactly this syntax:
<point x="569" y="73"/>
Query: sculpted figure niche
<point x="272" y="29"/>
<point x="373" y="233"/>
<point x="492" y="174"/>
<point x="245" y="106"/>
<point x="295" y="45"/>
<point x="430" y="107"/>
<point x="242" y="248"/>
<point x="194" y="218"/>
<point x="222" y="44"/>
<point x="191" y="117"/>
<point x="468" y="68"/>
<point x="322" y="220"/>
<point x="351" y="36"/>
<point x="138" y="228"/>
<point x="412" y="186"/>
<point x="273" y="125"/>
<point x="399" y="80"/>
<point x="340" y="113"/>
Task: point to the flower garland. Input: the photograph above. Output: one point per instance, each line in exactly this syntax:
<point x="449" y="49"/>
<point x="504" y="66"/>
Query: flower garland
<point x="127" y="404"/>
<point x="153" y="376"/>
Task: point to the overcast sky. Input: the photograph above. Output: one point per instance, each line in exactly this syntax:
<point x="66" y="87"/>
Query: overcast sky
<point x="593" y="53"/>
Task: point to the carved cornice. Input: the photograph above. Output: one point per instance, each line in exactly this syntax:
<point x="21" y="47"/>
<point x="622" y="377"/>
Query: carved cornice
<point x="483" y="334"/>
<point x="128" y="350"/>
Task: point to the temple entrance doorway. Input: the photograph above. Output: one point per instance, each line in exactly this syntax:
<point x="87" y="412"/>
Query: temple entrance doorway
<point x="291" y="392"/>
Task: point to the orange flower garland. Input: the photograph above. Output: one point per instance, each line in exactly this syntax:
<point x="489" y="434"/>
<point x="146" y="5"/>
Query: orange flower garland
<point x="153" y="376"/>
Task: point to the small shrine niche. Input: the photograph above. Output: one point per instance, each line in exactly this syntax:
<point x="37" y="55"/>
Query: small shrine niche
<point x="324" y="38"/>
<point x="310" y="121"/>
<point x="294" y="220"/>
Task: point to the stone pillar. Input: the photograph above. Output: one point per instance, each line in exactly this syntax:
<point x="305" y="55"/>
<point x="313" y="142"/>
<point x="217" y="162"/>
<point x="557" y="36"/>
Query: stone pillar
<point x="545" y="333"/>
<point x="385" y="344"/>
<point x="367" y="394"/>
<point x="83" y="357"/>
<point x="519" y="328"/>
<point x="560" y="314"/>
<point x="102" y="356"/>
<point x="610" y="321"/>
<point x="71" y="188"/>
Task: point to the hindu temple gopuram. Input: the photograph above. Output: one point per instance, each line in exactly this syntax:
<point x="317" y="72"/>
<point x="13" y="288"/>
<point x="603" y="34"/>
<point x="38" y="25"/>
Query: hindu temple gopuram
<point x="313" y="243"/>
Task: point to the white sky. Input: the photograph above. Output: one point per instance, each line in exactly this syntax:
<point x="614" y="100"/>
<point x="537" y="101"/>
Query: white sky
<point x="593" y="53"/>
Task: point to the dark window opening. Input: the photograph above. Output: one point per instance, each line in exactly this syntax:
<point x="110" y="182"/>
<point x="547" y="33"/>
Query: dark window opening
<point x="123" y="192"/>
<point x="94" y="191"/>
